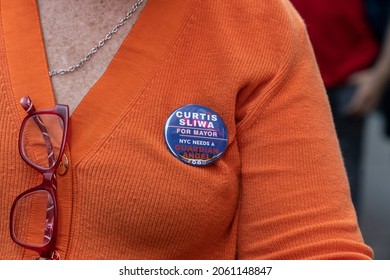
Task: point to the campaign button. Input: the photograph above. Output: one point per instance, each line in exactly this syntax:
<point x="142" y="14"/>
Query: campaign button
<point x="196" y="135"/>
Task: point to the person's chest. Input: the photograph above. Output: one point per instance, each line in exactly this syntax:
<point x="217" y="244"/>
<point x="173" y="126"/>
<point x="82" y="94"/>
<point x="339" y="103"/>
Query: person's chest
<point x="70" y="32"/>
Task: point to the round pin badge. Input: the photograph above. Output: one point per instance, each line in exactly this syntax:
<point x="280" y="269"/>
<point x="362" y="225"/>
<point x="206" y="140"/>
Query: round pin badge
<point x="196" y="135"/>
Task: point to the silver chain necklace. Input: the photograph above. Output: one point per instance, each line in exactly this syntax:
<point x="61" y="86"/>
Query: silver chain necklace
<point x="101" y="43"/>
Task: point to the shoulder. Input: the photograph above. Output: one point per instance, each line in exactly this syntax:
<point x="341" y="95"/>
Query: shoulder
<point x="251" y="24"/>
<point x="252" y="13"/>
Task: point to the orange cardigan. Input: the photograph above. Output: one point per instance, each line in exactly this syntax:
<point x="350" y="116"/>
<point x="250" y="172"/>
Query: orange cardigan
<point x="278" y="192"/>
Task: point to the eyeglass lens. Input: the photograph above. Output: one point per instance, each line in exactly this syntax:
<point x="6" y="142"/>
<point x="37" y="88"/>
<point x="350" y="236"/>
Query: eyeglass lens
<point x="41" y="139"/>
<point x="34" y="213"/>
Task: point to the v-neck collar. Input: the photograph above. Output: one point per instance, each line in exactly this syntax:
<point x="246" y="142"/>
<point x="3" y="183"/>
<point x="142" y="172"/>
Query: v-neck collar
<point x="115" y="91"/>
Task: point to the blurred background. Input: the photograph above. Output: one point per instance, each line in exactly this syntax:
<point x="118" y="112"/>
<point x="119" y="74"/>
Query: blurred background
<point x="375" y="212"/>
<point x="351" y="42"/>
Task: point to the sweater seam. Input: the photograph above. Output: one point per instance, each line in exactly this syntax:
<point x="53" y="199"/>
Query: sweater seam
<point x="260" y="107"/>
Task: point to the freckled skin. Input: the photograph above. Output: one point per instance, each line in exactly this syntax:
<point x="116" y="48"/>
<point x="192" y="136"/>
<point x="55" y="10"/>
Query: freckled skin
<point x="71" y="28"/>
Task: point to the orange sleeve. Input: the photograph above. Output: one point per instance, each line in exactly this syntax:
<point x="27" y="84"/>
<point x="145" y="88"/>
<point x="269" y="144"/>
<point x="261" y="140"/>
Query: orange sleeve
<point x="295" y="201"/>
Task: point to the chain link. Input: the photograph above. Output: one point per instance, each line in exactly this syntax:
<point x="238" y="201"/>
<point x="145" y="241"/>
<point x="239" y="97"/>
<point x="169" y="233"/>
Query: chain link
<point x="100" y="44"/>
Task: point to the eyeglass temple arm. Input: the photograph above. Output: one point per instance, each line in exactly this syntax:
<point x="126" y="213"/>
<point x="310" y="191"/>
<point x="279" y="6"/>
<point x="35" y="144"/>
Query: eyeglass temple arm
<point x="29" y="107"/>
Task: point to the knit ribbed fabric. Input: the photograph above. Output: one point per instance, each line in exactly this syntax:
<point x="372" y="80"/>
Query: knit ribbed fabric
<point x="278" y="192"/>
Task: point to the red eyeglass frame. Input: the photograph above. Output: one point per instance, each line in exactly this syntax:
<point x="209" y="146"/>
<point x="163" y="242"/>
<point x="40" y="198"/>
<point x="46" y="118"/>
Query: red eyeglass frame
<point x="49" y="183"/>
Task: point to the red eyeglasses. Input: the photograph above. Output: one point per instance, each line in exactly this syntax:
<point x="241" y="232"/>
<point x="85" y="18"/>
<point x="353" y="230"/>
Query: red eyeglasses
<point x="34" y="213"/>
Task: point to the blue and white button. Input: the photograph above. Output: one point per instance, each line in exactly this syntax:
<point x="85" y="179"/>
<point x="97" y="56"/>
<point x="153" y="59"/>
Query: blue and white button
<point x="196" y="135"/>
